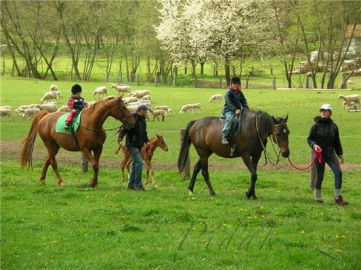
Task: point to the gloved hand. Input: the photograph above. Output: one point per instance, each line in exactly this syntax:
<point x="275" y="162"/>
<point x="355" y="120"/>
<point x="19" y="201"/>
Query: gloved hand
<point x="317" y="148"/>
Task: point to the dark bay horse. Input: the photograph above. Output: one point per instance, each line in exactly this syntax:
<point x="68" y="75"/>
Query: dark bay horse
<point x="205" y="134"/>
<point x="90" y="135"/>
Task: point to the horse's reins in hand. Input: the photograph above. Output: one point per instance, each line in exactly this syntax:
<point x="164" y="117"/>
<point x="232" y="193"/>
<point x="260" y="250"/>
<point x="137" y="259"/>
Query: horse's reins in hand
<point x="317" y="155"/>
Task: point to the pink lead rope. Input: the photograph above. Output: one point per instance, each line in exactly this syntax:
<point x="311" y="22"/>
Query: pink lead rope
<point x="318" y="156"/>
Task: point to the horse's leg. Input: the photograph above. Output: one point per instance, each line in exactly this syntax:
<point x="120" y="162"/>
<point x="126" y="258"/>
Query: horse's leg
<point x="196" y="170"/>
<point x="255" y="159"/>
<point x="45" y="169"/>
<point x="94" y="162"/>
<point x="53" y="150"/>
<point x="247" y="161"/>
<point x="122" y="167"/>
<point x="150" y="168"/>
<point x="204" y="165"/>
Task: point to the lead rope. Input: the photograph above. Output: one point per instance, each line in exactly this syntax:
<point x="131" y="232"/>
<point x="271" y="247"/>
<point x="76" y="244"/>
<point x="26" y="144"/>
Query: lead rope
<point x="317" y="155"/>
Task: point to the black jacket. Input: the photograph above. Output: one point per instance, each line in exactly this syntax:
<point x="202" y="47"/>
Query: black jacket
<point x="324" y="133"/>
<point x="137" y="136"/>
<point x="234" y="101"/>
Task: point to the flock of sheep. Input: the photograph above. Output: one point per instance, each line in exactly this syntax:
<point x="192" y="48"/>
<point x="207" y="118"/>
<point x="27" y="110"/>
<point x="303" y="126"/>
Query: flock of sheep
<point x="351" y="102"/>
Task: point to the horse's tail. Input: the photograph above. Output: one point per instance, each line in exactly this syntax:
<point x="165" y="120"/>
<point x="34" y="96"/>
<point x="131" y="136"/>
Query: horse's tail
<point x="184" y="151"/>
<point x="26" y="154"/>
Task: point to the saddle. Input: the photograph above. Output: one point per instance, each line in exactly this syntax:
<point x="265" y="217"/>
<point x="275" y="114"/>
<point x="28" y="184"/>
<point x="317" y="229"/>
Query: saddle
<point x="74" y="126"/>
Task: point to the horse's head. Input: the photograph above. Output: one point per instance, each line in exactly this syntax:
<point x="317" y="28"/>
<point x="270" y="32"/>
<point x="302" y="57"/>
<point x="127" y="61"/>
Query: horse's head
<point x="119" y="111"/>
<point x="161" y="143"/>
<point x="280" y="135"/>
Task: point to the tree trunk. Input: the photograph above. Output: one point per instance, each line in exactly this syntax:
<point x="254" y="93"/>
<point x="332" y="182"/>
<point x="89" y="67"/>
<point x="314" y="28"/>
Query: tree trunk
<point x="202" y="67"/>
<point x="227" y="70"/>
<point x="148" y="69"/>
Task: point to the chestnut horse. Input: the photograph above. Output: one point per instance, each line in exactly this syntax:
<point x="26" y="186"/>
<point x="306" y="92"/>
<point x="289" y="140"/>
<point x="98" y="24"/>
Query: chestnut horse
<point x="205" y="134"/>
<point x="147" y="155"/>
<point x="90" y="135"/>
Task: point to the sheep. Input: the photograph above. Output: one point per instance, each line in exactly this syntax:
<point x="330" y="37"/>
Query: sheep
<point x="132" y="108"/>
<point x="7" y="112"/>
<point x="159" y="112"/>
<point x="353" y="106"/>
<point x="109" y="97"/>
<point x="348" y="99"/>
<point x="23" y="107"/>
<point x="139" y="93"/>
<point x="50" y="95"/>
<point x="100" y="91"/>
<point x="49" y="107"/>
<point x="6" y="107"/>
<point x="53" y="87"/>
<point x="191" y="107"/>
<point x="64" y="108"/>
<point x="121" y="88"/>
<point x="215" y="98"/>
<point x="29" y="112"/>
<point x="146" y="103"/>
<point x="164" y="108"/>
<point x="146" y="97"/>
<point x="127" y="100"/>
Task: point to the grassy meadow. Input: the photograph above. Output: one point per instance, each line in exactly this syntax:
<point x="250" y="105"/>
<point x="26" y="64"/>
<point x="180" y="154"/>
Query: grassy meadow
<point x="77" y="227"/>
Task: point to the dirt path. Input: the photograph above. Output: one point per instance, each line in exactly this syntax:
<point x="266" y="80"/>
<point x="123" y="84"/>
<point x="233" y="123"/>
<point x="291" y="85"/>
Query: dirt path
<point x="11" y="150"/>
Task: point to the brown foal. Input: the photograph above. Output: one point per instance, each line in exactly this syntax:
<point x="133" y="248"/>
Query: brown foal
<point x="147" y="156"/>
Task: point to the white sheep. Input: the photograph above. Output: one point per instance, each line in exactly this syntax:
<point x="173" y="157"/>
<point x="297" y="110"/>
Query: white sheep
<point x="64" y="108"/>
<point x="159" y="112"/>
<point x="23" y="107"/>
<point x="139" y="93"/>
<point x="6" y="107"/>
<point x="164" y="108"/>
<point x="196" y="106"/>
<point x="132" y="108"/>
<point x="146" y="103"/>
<point x="191" y="107"/>
<point x="100" y="91"/>
<point x="146" y="97"/>
<point x="7" y="112"/>
<point x="354" y="106"/>
<point x="29" y="112"/>
<point x="49" y="107"/>
<point x="348" y="99"/>
<point x="53" y="87"/>
<point x="121" y="88"/>
<point x="215" y="98"/>
<point x="127" y="100"/>
<point x="50" y="95"/>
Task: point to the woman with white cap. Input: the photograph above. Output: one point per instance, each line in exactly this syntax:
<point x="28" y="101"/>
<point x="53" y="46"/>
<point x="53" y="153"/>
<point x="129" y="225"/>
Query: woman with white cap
<point x="324" y="136"/>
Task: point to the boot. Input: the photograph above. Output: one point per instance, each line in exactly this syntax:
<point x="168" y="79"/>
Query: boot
<point x="318" y="197"/>
<point x="224" y="140"/>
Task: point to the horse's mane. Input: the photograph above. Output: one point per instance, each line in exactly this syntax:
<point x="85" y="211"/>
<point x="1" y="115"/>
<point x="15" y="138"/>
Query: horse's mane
<point x="265" y="122"/>
<point x="98" y="103"/>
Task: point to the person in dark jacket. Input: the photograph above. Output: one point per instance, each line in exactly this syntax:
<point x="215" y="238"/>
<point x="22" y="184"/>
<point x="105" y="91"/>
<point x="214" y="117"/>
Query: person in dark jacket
<point x="324" y="136"/>
<point x="135" y="139"/>
<point x="235" y="101"/>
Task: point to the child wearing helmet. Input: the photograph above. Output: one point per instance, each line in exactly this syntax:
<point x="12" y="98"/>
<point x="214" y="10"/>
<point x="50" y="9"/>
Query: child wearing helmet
<point x="75" y="103"/>
<point x="324" y="136"/>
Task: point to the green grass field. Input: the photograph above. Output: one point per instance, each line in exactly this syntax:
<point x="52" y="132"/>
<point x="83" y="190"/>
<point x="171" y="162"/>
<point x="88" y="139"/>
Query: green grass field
<point x="77" y="227"/>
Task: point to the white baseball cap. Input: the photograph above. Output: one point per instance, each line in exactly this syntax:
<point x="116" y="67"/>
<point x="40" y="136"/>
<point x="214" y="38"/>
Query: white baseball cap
<point x="326" y="107"/>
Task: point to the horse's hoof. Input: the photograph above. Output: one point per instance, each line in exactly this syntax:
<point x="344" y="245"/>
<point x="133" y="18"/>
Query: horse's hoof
<point x="190" y="192"/>
<point x="246" y="195"/>
<point x="213" y="194"/>
<point x="254" y="197"/>
<point x="62" y="184"/>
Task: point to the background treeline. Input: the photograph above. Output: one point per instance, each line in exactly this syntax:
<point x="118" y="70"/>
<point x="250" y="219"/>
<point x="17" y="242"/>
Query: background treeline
<point x="165" y="37"/>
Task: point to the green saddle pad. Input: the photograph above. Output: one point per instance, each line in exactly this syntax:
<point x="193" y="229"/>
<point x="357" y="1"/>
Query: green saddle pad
<point x="59" y="127"/>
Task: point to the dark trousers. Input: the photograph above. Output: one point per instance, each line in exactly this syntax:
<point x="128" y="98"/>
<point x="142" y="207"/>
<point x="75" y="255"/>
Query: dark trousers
<point x="135" y="178"/>
<point x="332" y="161"/>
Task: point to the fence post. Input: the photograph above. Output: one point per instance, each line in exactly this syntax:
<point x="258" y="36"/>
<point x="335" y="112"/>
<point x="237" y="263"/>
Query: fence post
<point x="271" y="69"/>
<point x="247" y="78"/>
<point x="120" y="77"/>
<point x="344" y="81"/>
<point x="220" y="82"/>
<point x="186" y="173"/>
<point x="137" y="79"/>
<point x="84" y="163"/>
<point x="307" y="81"/>
<point x="195" y="81"/>
<point x="274" y="83"/>
<point x="156" y="80"/>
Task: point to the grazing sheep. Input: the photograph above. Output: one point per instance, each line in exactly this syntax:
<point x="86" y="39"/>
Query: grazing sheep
<point x="127" y="100"/>
<point x="100" y="91"/>
<point x="191" y="107"/>
<point x="53" y="87"/>
<point x="23" y="107"/>
<point x="29" y="112"/>
<point x="7" y="112"/>
<point x="6" y="107"/>
<point x="50" y="95"/>
<point x="216" y="98"/>
<point x="49" y="107"/>
<point x="354" y="106"/>
<point x="139" y="93"/>
<point x="164" y="108"/>
<point x="146" y="103"/>
<point x="348" y="99"/>
<point x="132" y="108"/>
<point x="146" y="97"/>
<point x="159" y="112"/>
<point x="64" y="108"/>
<point x="121" y="88"/>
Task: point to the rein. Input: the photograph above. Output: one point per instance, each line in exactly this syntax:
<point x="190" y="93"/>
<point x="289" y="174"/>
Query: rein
<point x="317" y="155"/>
<point x="267" y="156"/>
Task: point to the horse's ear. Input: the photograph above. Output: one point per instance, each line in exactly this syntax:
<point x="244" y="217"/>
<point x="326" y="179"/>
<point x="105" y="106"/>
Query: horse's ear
<point x="158" y="136"/>
<point x="274" y="119"/>
<point x="286" y="118"/>
<point x="121" y="95"/>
